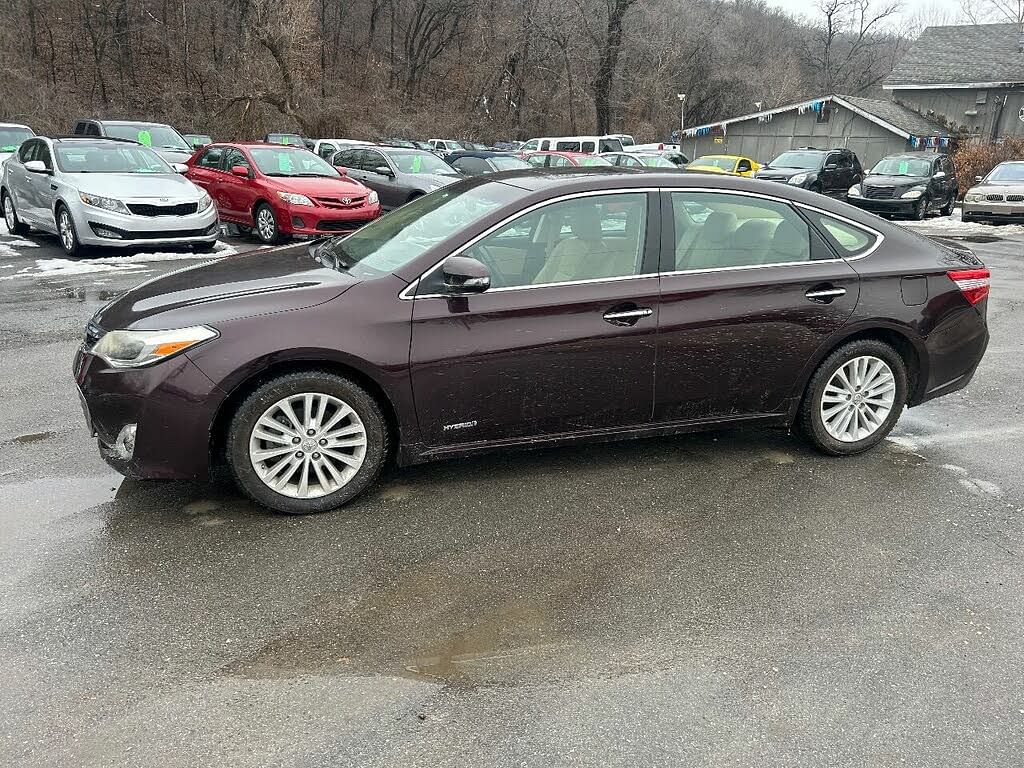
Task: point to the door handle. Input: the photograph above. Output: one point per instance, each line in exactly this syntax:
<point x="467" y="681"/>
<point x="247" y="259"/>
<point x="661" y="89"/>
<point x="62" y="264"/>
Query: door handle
<point x="623" y="316"/>
<point x="825" y="294"/>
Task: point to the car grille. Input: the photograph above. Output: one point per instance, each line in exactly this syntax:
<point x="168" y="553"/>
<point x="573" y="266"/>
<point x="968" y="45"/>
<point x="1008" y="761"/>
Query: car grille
<point x="145" y="209"/>
<point x="879" y="193"/>
<point x="340" y="202"/>
<point x="994" y="198"/>
<point x="768" y="177"/>
<point x="93" y="333"/>
<point x="339" y="226"/>
<point x="160" y="234"/>
<point x="1015" y="198"/>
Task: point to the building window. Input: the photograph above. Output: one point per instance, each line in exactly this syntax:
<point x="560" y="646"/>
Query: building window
<point x="981" y="97"/>
<point x="824" y="115"/>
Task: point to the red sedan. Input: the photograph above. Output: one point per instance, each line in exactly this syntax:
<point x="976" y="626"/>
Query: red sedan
<point x="563" y="159"/>
<point x="279" y="191"/>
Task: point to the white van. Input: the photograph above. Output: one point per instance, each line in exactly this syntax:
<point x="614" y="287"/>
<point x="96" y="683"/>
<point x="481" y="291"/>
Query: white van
<point x="589" y="145"/>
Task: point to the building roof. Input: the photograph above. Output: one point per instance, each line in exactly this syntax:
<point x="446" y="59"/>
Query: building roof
<point x="898" y="119"/>
<point x="969" y="56"/>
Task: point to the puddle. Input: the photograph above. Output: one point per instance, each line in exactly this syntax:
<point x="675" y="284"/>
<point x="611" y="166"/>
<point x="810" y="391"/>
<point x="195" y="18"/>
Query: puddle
<point x="34" y="437"/>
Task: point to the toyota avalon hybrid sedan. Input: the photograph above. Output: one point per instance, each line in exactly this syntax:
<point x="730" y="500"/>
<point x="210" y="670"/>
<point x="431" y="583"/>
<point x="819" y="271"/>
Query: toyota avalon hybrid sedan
<point x="97" y="191"/>
<point x="531" y="308"/>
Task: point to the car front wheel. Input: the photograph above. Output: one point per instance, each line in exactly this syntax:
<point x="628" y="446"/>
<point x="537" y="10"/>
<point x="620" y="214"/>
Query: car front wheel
<point x="854" y="398"/>
<point x="307" y="442"/>
<point x="67" y="233"/>
<point x="267" y="228"/>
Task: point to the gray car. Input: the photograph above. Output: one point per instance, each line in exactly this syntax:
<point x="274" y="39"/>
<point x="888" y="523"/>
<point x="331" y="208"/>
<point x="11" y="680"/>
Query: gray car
<point x="999" y="196"/>
<point x="396" y="175"/>
<point x="96" y="191"/>
<point x="167" y="142"/>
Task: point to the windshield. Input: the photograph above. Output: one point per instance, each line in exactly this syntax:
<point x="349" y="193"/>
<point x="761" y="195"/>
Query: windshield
<point x="421" y="162"/>
<point x="11" y="138"/>
<point x="657" y="161"/>
<point x="405" y="234"/>
<point x="806" y="160"/>
<point x="108" y="158"/>
<point x="722" y="163"/>
<point x="285" y="161"/>
<point x="509" y="163"/>
<point x="902" y="166"/>
<point x="1007" y="172"/>
<point x="593" y="160"/>
<point x="156" y="136"/>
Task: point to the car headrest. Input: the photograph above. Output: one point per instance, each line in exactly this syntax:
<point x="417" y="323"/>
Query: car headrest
<point x="790" y="243"/>
<point x="586" y="223"/>
<point x="753" y="235"/>
<point x="719" y="226"/>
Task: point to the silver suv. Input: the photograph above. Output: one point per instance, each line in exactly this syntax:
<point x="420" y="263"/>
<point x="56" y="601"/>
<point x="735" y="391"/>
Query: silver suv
<point x="96" y="191"/>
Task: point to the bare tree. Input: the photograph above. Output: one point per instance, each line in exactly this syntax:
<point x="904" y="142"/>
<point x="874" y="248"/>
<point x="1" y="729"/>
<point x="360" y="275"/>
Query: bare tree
<point x="843" y="50"/>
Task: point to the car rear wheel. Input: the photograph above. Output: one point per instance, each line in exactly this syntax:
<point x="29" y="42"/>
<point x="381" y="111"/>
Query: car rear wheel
<point x="307" y="442"/>
<point x="14" y="225"/>
<point x="267" y="229"/>
<point x="67" y="233"/>
<point x="854" y="398"/>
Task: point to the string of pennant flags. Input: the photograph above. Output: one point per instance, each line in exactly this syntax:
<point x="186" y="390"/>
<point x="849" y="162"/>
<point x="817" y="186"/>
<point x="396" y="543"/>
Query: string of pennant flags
<point x="918" y="142"/>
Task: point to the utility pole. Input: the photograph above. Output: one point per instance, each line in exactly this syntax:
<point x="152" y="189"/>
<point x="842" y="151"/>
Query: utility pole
<point x="682" y="116"/>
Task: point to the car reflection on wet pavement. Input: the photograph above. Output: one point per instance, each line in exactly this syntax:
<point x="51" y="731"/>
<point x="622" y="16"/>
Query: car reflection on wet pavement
<point x="724" y="599"/>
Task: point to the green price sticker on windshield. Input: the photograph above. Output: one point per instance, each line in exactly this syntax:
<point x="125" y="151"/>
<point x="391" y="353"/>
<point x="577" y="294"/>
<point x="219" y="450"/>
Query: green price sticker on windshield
<point x="417" y="163"/>
<point x="8" y="148"/>
<point x="145" y="138"/>
<point x="903" y="168"/>
<point x="284" y="162"/>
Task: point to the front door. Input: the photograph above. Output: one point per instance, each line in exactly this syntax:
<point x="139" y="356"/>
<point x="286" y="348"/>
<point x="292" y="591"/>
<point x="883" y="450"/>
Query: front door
<point x="238" y="193"/>
<point x="564" y="340"/>
<point x="753" y="292"/>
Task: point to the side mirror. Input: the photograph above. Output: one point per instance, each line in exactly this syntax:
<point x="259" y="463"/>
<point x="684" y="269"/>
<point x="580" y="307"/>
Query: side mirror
<point x="36" y="166"/>
<point x="240" y="171"/>
<point x="939" y="175"/>
<point x="383" y="170"/>
<point x="978" y="179"/>
<point x="464" y="276"/>
<point x="179" y="167"/>
<point x="830" y="167"/>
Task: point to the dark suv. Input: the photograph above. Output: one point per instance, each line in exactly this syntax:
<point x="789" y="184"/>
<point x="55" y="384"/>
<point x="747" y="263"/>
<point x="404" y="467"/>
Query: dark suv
<point x="828" y="171"/>
<point x="909" y="184"/>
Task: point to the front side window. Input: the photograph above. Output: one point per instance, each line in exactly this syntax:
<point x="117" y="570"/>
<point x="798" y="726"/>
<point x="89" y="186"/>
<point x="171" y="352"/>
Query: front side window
<point x="27" y="151"/>
<point x="327" y="149"/>
<point x="108" y="157"/>
<point x="585" y="238"/>
<point x="717" y="230"/>
<point x="211" y="158"/>
<point x="159" y="136"/>
<point x="286" y="161"/>
<point x="234" y="157"/>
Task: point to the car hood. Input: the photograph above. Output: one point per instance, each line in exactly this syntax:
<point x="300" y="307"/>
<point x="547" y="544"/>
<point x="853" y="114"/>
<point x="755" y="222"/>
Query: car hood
<point x="436" y="179"/>
<point x="781" y="173"/>
<point x="135" y="186"/>
<point x="319" y="186"/>
<point x="1004" y="187"/>
<point x="881" y="180"/>
<point x="253" y="283"/>
<point x="174" y="155"/>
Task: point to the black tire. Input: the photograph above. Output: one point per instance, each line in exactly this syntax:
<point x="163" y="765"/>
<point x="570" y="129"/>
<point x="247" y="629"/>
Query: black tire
<point x="205" y="247"/>
<point x="69" y="238"/>
<point x="255" y="405"/>
<point x="947" y="209"/>
<point x="809" y="418"/>
<point x="14" y="224"/>
<point x="921" y="209"/>
<point x="271" y="235"/>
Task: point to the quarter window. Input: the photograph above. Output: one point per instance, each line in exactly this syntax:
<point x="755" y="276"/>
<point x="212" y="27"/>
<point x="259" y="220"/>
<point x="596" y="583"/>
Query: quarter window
<point x="715" y="230"/>
<point x="585" y="238"/>
<point x="847" y="239"/>
<point x="211" y="158"/>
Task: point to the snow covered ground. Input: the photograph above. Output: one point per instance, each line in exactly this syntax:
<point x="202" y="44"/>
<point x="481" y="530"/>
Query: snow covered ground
<point x="952" y="226"/>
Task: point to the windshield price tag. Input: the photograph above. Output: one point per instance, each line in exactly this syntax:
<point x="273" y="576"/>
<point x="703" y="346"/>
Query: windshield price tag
<point x="417" y="164"/>
<point x="145" y="138"/>
<point x="903" y="168"/>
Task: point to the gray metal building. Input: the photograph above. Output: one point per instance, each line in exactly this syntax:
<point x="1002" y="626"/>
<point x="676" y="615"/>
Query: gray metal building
<point x="968" y="78"/>
<point x="872" y="128"/>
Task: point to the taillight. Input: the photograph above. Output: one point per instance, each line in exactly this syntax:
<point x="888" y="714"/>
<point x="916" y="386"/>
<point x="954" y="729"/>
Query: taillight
<point x="973" y="283"/>
<point x="661" y="146"/>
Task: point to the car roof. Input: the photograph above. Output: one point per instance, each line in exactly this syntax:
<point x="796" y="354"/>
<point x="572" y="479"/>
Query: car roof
<point x="14" y="125"/>
<point x="915" y="155"/>
<point x="483" y="153"/>
<point x="567" y="153"/>
<point x="727" y="157"/>
<point x="124" y="122"/>
<point x="78" y="139"/>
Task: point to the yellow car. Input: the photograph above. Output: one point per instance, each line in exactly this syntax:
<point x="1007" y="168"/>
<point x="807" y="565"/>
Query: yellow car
<point x="731" y="164"/>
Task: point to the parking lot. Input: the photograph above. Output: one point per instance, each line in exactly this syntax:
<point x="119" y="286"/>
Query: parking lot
<point x="728" y="599"/>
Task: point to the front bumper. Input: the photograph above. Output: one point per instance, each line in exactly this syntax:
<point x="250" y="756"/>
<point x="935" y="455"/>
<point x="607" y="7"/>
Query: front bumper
<point x="319" y="221"/>
<point x="172" y="403"/>
<point x="993" y="211"/>
<point x="96" y="226"/>
<point x="897" y="206"/>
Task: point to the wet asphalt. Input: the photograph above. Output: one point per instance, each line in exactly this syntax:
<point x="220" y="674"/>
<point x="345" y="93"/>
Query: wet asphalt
<point x="728" y="599"/>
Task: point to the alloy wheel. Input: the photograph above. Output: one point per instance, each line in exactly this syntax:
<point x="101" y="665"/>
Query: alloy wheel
<point x="307" y="445"/>
<point x="66" y="230"/>
<point x="265" y="224"/>
<point x="9" y="213"/>
<point x="858" y="398"/>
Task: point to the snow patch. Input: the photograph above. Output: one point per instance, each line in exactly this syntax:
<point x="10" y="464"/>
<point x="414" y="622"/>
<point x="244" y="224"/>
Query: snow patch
<point x="955" y="225"/>
<point x="129" y="264"/>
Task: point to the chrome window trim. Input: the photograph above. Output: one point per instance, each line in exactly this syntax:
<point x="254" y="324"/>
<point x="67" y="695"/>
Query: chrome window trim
<point x="408" y="293"/>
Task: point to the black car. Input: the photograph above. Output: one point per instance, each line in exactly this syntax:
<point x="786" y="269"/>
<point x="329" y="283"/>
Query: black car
<point x="910" y="184"/>
<point x="828" y="171"/>
<point x="480" y="162"/>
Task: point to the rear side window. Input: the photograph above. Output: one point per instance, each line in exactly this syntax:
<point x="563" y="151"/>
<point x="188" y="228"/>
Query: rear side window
<point x="568" y="146"/>
<point x="847" y="239"/>
<point x="588" y="146"/>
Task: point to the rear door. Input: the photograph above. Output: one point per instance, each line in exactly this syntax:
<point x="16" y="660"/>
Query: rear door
<point x="565" y="339"/>
<point x="749" y="292"/>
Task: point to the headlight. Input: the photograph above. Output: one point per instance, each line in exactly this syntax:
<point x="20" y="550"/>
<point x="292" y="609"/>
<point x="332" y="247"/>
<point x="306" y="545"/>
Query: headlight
<point x="798" y="179"/>
<point x="106" y="203"/>
<point x="974" y="197"/>
<point x="135" y="349"/>
<point x="293" y="199"/>
<point x="854" y="191"/>
<point x="913" y="194"/>
<point x="205" y="201"/>
<point x="373" y="198"/>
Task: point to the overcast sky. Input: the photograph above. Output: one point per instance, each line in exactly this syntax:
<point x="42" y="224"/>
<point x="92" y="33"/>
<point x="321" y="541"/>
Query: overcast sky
<point x="932" y="8"/>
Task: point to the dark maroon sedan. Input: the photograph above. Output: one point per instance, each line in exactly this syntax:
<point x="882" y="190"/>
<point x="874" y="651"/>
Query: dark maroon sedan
<point x="531" y="308"/>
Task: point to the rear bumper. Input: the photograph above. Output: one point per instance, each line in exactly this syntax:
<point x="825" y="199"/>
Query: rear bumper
<point x="303" y="220"/>
<point x="955" y="350"/>
<point x="172" y="405"/>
